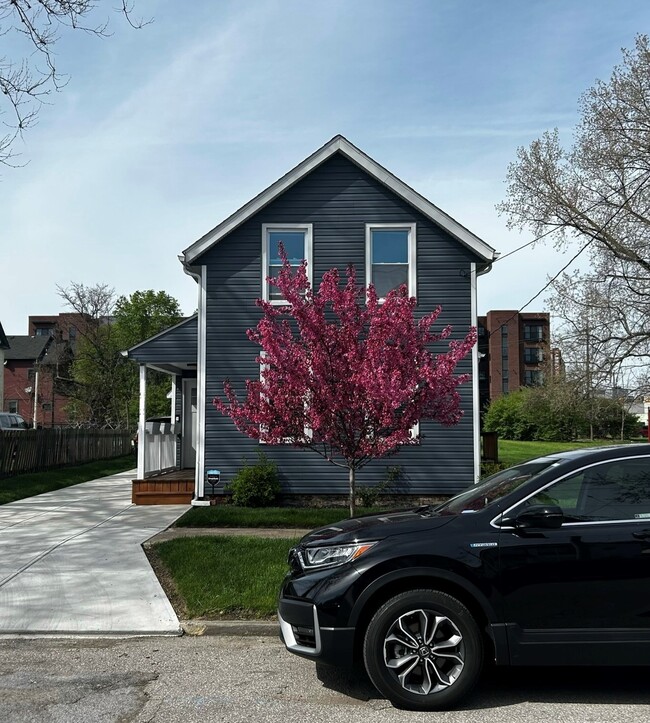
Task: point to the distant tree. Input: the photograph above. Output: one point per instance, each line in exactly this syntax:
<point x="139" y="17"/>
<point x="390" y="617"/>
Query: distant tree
<point x="103" y="388"/>
<point x="26" y="82"/>
<point x="558" y="412"/>
<point x="345" y="375"/>
<point x="144" y="314"/>
<point x="98" y="371"/>
<point x="596" y="193"/>
<point x="138" y="317"/>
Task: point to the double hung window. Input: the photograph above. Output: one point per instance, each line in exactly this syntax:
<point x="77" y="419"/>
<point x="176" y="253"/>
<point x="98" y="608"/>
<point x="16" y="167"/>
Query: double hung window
<point x="297" y="242"/>
<point x="390" y="257"/>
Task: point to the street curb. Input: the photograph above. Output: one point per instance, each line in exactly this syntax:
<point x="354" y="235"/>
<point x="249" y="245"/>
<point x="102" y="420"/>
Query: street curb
<point x="247" y="628"/>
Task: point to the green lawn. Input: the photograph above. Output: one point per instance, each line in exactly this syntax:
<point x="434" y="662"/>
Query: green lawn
<point x="290" y="517"/>
<point x="222" y="577"/>
<point x="511" y="452"/>
<point x="35" y="483"/>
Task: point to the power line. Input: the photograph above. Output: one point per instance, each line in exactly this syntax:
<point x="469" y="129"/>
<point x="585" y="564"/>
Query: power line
<point x="552" y="229"/>
<point x="543" y="289"/>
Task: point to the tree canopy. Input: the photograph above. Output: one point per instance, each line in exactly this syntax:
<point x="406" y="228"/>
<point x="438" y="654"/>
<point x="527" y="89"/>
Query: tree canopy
<point x="102" y="385"/>
<point x="595" y="194"/>
<point x="345" y="375"/>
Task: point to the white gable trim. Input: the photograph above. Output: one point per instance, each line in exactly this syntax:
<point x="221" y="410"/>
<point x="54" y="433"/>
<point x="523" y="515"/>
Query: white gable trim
<point x="342" y="145"/>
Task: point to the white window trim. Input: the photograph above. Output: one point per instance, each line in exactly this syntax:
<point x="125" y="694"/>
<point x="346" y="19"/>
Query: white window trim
<point x="412" y="251"/>
<point x="266" y="227"/>
<point x="288" y="440"/>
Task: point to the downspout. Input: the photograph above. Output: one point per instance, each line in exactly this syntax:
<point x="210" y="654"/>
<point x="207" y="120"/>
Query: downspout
<point x="475" y="272"/>
<point x="476" y="404"/>
<point x="200" y="275"/>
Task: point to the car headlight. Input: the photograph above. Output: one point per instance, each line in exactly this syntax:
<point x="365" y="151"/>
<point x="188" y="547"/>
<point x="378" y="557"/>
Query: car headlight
<point x="316" y="557"/>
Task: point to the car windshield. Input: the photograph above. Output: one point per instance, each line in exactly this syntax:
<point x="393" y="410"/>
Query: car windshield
<point x="494" y="488"/>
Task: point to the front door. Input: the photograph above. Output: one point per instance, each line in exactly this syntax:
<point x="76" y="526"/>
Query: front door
<point x="189" y="423"/>
<point x="582" y="592"/>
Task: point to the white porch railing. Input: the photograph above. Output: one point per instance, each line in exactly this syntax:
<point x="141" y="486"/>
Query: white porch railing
<point x="159" y="448"/>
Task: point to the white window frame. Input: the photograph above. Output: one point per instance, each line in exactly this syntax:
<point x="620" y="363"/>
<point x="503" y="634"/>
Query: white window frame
<point x="288" y="440"/>
<point x="412" y="251"/>
<point x="266" y="228"/>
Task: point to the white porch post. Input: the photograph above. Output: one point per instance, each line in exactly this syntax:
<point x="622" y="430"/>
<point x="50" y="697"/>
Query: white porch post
<point x="476" y="403"/>
<point x="199" y="479"/>
<point x="141" y="420"/>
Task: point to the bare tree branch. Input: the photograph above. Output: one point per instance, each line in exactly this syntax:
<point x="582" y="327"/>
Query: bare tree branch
<point x="27" y="82"/>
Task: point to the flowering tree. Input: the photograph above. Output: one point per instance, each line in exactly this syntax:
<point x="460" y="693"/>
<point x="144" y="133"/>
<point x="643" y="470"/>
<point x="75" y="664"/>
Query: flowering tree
<point x="343" y="374"/>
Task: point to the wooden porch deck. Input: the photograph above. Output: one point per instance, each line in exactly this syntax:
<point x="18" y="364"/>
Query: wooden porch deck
<point x="175" y="487"/>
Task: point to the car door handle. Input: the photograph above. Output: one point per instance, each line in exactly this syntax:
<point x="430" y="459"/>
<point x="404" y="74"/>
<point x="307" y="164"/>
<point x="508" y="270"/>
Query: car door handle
<point x="642" y="535"/>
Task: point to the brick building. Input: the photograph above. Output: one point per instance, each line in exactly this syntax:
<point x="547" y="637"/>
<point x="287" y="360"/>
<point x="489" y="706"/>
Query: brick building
<point x="32" y="367"/>
<point x="513" y="351"/>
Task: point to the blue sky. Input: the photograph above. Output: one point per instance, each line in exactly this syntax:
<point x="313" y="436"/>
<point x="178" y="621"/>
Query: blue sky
<point x="163" y="132"/>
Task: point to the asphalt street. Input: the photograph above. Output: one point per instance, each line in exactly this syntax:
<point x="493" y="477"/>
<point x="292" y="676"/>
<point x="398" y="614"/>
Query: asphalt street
<point x="233" y="679"/>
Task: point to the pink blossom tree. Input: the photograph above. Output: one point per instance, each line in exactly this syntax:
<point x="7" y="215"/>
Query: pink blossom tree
<point x="344" y="374"/>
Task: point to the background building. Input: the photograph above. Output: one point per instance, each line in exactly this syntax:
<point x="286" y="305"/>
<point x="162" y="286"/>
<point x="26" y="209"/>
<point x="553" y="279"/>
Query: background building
<point x="33" y="366"/>
<point x="513" y="351"/>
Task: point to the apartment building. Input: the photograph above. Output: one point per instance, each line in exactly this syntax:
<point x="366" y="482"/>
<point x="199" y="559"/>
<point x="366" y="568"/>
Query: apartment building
<point x="514" y="349"/>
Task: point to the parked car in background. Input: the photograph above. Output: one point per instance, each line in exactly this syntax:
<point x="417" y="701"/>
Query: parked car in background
<point x="12" y="422"/>
<point x="545" y="563"/>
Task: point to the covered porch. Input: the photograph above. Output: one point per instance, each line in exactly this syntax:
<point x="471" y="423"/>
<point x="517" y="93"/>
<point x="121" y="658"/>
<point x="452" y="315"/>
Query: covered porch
<point x="166" y="445"/>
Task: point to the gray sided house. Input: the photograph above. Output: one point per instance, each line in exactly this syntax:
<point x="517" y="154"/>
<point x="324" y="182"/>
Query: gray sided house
<point x="337" y="207"/>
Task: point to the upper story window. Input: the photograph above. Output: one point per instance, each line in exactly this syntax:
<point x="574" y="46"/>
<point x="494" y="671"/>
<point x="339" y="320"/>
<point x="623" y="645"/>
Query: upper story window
<point x="533" y="332"/>
<point x="297" y="242"/>
<point x="390" y="257"/>
<point x="533" y="355"/>
<point x="44" y="331"/>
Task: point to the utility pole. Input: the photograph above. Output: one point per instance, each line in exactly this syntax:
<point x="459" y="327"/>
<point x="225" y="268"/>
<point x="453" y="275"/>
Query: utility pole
<point x="36" y="372"/>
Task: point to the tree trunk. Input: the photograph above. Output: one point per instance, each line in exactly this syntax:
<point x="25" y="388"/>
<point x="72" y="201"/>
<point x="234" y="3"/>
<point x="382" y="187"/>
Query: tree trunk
<point x="352" y="491"/>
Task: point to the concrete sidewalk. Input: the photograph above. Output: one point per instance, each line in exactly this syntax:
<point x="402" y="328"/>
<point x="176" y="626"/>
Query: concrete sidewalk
<point x="71" y="563"/>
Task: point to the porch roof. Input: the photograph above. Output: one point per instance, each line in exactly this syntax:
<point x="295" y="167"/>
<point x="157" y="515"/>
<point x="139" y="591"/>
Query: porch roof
<point x="173" y="350"/>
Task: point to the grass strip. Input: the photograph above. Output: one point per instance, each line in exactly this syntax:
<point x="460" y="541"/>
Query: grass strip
<point x="512" y="452"/>
<point x="35" y="483"/>
<point x="289" y="517"/>
<point x="222" y="577"/>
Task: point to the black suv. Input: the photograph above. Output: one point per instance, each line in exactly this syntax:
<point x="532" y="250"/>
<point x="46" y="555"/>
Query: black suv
<point x="545" y="563"/>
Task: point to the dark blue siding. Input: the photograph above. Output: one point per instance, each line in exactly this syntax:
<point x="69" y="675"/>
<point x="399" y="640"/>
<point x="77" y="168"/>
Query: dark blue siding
<point x="176" y="345"/>
<point x="338" y="198"/>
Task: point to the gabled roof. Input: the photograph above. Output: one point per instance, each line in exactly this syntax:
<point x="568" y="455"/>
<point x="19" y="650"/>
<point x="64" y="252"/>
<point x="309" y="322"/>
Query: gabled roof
<point x="339" y="144"/>
<point x="169" y="333"/>
<point x="4" y="344"/>
<point x="27" y="347"/>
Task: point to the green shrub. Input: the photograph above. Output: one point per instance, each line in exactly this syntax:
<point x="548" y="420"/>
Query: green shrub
<point x="256" y="485"/>
<point x="370" y="495"/>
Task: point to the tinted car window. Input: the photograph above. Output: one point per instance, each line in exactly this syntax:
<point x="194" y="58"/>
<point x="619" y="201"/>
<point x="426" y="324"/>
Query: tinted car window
<point x="494" y="488"/>
<point x="616" y="490"/>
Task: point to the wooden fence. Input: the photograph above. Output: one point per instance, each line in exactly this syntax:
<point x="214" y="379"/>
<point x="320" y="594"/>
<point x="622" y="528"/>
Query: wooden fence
<point x="37" y="450"/>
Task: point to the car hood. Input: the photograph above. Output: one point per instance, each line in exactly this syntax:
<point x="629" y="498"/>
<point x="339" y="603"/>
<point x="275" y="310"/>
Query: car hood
<point x="376" y="527"/>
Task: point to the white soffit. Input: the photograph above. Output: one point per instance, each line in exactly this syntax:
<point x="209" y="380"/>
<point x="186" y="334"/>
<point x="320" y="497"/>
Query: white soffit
<point x="358" y="157"/>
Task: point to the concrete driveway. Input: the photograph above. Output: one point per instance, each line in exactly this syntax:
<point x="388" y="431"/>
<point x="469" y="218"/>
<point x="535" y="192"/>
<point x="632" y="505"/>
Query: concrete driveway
<point x="71" y="563"/>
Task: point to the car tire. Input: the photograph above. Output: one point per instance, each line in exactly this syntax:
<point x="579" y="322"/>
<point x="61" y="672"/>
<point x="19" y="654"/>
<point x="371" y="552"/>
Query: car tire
<point x="423" y="650"/>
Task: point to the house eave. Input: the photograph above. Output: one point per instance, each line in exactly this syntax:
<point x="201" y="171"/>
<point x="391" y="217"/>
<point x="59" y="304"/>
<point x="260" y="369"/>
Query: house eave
<point x="129" y="352"/>
<point x="339" y="144"/>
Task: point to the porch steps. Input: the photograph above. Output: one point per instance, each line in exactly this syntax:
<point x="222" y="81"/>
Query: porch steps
<point x="163" y="491"/>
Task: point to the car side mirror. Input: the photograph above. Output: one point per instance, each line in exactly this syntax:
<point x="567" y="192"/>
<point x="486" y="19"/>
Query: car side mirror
<point x="546" y="517"/>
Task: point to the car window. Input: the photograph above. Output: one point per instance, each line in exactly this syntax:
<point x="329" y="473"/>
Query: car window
<point x="616" y="490"/>
<point x="494" y="488"/>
